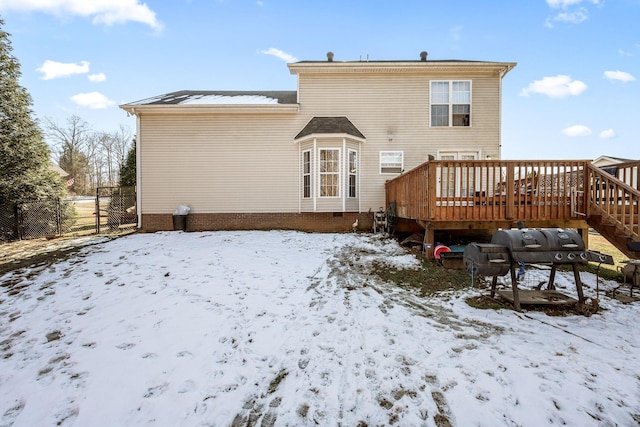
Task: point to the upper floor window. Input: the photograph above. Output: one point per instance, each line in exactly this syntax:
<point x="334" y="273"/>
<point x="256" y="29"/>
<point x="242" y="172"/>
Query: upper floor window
<point x="451" y="103"/>
<point x="391" y="161"/>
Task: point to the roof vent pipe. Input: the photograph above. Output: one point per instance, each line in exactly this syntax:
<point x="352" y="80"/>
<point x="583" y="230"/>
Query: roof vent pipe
<point x="423" y="56"/>
<point x="330" y="56"/>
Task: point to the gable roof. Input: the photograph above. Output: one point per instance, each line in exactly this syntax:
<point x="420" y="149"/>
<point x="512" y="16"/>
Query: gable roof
<point x="330" y="125"/>
<point x="211" y="97"/>
<point x="605" y="158"/>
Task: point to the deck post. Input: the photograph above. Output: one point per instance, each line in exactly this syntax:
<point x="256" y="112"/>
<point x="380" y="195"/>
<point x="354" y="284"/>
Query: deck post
<point x="510" y="190"/>
<point x="584" y="233"/>
<point x="430" y="177"/>
<point x="429" y="241"/>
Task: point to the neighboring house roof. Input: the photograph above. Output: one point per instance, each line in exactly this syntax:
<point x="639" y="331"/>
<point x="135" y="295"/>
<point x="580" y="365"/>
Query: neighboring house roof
<point x="604" y="161"/>
<point x="210" y="97"/>
<point x="57" y="169"/>
<point x="328" y="125"/>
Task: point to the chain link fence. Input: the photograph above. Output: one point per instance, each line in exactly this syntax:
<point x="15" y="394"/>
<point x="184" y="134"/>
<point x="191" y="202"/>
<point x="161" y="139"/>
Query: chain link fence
<point x="8" y="223"/>
<point x="112" y="210"/>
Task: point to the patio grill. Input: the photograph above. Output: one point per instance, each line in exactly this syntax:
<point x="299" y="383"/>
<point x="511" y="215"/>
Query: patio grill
<point x="510" y="248"/>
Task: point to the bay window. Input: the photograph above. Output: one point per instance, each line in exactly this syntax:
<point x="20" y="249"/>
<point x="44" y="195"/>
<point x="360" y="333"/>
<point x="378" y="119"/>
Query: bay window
<point x="329" y="169"/>
<point x="306" y="174"/>
<point x="353" y="169"/>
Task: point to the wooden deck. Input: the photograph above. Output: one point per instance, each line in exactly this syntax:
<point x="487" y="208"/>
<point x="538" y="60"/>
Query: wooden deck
<point x="488" y="195"/>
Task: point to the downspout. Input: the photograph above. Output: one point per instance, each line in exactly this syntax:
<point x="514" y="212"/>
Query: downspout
<point x="501" y="73"/>
<point x="138" y="171"/>
<point x="358" y="161"/>
<point x="314" y="180"/>
<point x="345" y="169"/>
<point x="300" y="184"/>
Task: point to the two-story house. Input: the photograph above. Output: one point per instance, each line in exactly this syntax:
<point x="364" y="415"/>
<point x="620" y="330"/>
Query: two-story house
<point x="316" y="158"/>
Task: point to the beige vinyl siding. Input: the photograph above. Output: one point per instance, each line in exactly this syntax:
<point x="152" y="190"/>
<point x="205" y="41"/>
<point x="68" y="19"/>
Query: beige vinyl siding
<point x="242" y="161"/>
<point x="219" y="163"/>
<point x="380" y="105"/>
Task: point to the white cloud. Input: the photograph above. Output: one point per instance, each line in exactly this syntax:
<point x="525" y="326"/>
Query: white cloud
<point x="106" y="12"/>
<point x="621" y="76"/>
<point x="623" y="52"/>
<point x="576" y="17"/>
<point x="279" y="54"/>
<point x="570" y="13"/>
<point x="555" y="4"/>
<point x="577" y="130"/>
<point x="55" y="70"/>
<point x="97" y="78"/>
<point x="563" y="4"/>
<point x="558" y="86"/>
<point x="608" y="134"/>
<point x="93" y="100"/>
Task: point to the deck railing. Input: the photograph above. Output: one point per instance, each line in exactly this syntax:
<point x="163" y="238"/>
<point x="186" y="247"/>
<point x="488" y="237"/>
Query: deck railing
<point x="489" y="190"/>
<point x="614" y="194"/>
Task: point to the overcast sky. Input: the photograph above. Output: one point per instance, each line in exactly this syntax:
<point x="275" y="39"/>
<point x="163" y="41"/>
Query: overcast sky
<point x="573" y="94"/>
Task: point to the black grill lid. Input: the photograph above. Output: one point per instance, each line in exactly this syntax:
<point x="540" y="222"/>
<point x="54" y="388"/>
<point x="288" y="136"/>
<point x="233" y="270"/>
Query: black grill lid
<point x="521" y="240"/>
<point x="560" y="239"/>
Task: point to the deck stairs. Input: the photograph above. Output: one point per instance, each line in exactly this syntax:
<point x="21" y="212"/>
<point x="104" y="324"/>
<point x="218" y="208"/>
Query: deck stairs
<point x="613" y="208"/>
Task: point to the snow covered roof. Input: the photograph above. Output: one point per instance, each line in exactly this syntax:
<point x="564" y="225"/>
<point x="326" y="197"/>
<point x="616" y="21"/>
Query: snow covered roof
<point x="208" y="97"/>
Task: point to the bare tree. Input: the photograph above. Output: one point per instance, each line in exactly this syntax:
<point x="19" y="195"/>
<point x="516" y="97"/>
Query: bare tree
<point x="93" y="151"/>
<point x="121" y="143"/>
<point x="69" y="145"/>
<point x="93" y="159"/>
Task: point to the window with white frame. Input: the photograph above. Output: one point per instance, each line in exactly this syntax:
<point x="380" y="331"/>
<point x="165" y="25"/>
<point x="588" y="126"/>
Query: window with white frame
<point x="468" y="177"/>
<point x="353" y="174"/>
<point x="450" y="103"/>
<point x="329" y="171"/>
<point x="448" y="177"/>
<point x="306" y="174"/>
<point x="457" y="179"/>
<point x="391" y="161"/>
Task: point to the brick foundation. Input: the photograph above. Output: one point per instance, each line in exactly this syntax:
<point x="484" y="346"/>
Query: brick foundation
<point x="308" y="221"/>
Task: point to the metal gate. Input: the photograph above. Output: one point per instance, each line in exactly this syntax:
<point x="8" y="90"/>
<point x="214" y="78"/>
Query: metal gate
<point x="115" y="209"/>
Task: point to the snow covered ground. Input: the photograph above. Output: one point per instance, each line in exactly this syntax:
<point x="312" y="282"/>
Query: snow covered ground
<point x="285" y="328"/>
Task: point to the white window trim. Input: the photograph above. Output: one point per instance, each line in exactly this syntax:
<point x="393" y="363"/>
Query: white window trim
<point x="456" y="189"/>
<point x="350" y="174"/>
<point x="380" y="162"/>
<point x="310" y="174"/>
<point x="320" y="173"/>
<point x="450" y="104"/>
